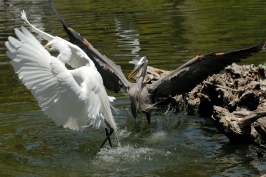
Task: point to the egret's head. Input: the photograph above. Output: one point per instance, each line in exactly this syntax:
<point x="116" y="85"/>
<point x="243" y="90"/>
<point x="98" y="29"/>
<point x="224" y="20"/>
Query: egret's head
<point x="142" y="62"/>
<point x="60" y="46"/>
<point x="55" y="45"/>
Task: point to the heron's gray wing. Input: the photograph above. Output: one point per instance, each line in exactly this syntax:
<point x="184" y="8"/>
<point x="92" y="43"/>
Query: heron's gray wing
<point x="112" y="75"/>
<point x="186" y="77"/>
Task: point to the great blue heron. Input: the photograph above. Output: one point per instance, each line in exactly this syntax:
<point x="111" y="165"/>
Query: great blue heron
<point x="75" y="98"/>
<point x="146" y="96"/>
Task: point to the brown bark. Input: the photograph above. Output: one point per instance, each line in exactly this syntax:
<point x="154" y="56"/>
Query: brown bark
<point x="236" y="101"/>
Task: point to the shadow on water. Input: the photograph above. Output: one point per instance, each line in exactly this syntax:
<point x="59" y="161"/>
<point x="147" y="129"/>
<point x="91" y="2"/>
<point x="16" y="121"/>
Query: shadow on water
<point x="169" y="33"/>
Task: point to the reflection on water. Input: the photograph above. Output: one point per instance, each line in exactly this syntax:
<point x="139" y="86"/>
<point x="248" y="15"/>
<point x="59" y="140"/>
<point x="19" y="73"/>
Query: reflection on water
<point x="129" y="38"/>
<point x="169" y="33"/>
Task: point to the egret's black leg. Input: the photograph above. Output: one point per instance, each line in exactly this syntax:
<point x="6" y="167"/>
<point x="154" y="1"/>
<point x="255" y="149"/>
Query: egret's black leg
<point x="108" y="134"/>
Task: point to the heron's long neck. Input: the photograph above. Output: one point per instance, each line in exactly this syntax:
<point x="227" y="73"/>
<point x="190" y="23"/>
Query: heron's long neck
<point x="143" y="72"/>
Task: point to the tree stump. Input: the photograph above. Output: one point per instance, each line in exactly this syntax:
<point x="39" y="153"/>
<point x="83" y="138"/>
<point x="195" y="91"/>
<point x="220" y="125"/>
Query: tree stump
<point x="236" y="101"/>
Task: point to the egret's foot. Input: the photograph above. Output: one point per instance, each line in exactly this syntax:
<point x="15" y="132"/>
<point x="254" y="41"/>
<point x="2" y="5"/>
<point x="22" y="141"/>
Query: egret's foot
<point x="108" y="134"/>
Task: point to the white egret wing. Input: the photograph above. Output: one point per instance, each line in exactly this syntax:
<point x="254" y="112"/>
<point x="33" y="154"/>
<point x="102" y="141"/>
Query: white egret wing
<point x="44" y="35"/>
<point x="78" y="57"/>
<point x="53" y="86"/>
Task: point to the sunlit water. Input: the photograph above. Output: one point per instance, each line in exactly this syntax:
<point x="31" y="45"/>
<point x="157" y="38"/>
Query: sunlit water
<point x="169" y="33"/>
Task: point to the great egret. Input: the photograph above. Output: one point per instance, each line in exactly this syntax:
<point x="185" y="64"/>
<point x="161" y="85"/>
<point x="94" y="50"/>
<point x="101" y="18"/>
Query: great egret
<point x="75" y="98"/>
<point x="147" y="96"/>
<point x="75" y="56"/>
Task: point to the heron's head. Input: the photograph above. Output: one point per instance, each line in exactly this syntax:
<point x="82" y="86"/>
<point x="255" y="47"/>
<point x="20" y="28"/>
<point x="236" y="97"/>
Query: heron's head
<point x="139" y="64"/>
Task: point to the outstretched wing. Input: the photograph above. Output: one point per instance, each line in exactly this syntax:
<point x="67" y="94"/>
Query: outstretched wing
<point x="51" y="83"/>
<point x="111" y="73"/>
<point x="78" y="57"/>
<point x="44" y="35"/>
<point x="186" y="77"/>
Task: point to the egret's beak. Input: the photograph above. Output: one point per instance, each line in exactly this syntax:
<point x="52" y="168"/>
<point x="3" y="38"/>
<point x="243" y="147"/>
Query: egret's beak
<point x="135" y="71"/>
<point x="47" y="47"/>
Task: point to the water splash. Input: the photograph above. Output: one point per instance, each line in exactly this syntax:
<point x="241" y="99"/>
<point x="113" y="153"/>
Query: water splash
<point x="129" y="153"/>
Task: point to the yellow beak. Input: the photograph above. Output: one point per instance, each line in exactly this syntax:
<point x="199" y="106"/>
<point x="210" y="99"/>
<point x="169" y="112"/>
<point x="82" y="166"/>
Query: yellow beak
<point x="134" y="72"/>
<point x="47" y="47"/>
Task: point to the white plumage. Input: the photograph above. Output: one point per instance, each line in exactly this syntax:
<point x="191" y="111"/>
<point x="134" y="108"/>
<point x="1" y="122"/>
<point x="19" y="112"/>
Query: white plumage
<point x="73" y="55"/>
<point x="75" y="98"/>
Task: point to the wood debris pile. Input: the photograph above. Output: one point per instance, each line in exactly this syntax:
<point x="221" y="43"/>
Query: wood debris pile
<point x="236" y="101"/>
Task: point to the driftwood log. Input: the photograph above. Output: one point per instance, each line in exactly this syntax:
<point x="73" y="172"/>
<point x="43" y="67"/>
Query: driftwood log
<point x="235" y="100"/>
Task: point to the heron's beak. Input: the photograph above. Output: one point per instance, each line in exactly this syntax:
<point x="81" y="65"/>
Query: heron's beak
<point x="135" y="71"/>
<point x="47" y="47"/>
